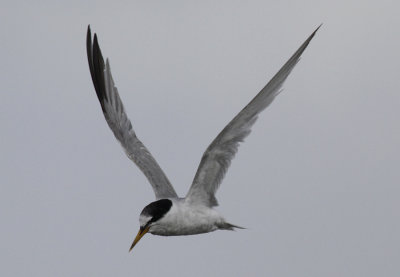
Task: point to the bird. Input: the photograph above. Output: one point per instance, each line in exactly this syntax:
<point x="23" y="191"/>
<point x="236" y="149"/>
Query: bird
<point x="170" y="215"/>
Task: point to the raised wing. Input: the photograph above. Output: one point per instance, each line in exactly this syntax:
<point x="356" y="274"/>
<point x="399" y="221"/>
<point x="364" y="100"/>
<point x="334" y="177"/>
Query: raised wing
<point x="219" y="154"/>
<point x="115" y="115"/>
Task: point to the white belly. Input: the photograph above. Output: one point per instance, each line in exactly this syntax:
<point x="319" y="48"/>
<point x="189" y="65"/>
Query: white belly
<point x="183" y="219"/>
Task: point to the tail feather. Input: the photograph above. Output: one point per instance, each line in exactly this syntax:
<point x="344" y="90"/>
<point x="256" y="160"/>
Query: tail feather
<point x="228" y="226"/>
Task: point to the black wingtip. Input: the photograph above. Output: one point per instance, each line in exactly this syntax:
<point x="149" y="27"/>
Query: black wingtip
<point x="96" y="66"/>
<point x="96" y="47"/>
<point x="305" y="44"/>
<point x="89" y="34"/>
<point x="317" y="28"/>
<point x="313" y="34"/>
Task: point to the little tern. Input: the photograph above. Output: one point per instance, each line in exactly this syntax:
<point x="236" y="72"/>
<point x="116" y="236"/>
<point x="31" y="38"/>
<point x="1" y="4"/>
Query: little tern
<point x="171" y="215"/>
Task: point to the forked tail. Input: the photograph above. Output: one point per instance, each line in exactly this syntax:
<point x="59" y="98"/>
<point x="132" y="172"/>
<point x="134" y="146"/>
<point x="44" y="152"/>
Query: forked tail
<point x="228" y="226"/>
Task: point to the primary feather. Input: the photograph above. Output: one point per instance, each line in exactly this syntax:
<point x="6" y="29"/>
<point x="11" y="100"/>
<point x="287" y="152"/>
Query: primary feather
<point x="119" y="123"/>
<point x="219" y="154"/>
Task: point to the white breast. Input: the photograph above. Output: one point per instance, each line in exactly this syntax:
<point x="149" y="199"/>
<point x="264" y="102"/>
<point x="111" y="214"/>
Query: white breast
<point x="184" y="219"/>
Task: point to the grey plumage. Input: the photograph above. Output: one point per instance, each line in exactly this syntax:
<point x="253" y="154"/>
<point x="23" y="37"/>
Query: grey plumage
<point x="194" y="214"/>
<point x="219" y="154"/>
<point x="119" y="123"/>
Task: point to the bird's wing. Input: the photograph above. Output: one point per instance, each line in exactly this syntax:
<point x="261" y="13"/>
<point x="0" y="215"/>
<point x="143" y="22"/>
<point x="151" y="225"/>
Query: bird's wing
<point x="217" y="158"/>
<point x="119" y="123"/>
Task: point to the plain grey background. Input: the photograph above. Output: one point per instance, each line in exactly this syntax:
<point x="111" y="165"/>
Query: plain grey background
<point x="316" y="183"/>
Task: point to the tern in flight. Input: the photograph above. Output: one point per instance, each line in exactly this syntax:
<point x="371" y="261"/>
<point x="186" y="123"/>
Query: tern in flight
<point x="171" y="215"/>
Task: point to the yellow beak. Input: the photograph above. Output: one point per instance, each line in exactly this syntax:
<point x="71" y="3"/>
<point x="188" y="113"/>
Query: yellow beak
<point x="139" y="235"/>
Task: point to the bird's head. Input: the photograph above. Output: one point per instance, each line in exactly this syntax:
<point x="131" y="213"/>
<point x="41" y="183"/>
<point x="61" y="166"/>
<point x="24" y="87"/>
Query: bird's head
<point x="149" y="217"/>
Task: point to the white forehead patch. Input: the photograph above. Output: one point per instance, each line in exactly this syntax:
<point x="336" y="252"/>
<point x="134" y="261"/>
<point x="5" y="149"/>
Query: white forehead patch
<point x="143" y="219"/>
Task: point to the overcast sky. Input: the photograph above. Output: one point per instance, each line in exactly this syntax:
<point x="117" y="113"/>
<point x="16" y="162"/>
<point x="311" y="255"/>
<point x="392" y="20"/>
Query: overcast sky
<point x="316" y="183"/>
